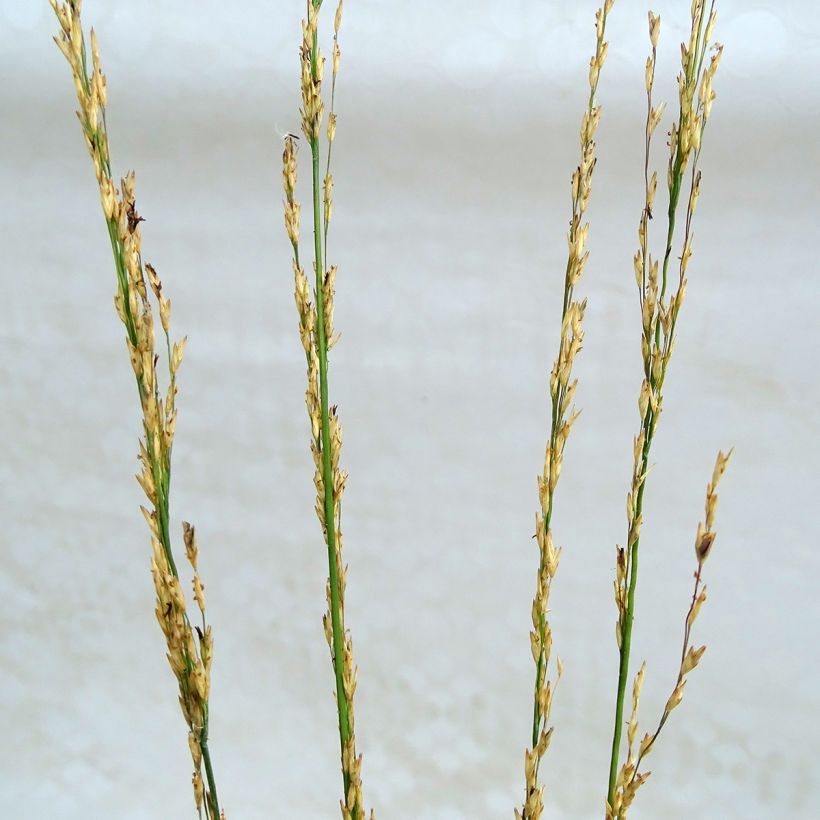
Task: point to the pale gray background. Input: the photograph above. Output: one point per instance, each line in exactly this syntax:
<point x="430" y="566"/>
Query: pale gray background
<point x="457" y="134"/>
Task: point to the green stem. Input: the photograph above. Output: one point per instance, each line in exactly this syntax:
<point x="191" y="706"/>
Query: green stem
<point x="327" y="467"/>
<point x="209" y="772"/>
<point x="626" y="636"/>
<point x="337" y="625"/>
<point x="674" y="197"/>
<point x="122" y="278"/>
<point x="540" y="670"/>
<point x="648" y="425"/>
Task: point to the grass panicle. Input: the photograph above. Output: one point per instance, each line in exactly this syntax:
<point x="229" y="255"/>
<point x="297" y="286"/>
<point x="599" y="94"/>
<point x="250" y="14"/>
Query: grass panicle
<point x="190" y="648"/>
<point x="144" y="310"/>
<point x="563" y="416"/>
<point x="316" y="331"/>
<point x="661" y="295"/>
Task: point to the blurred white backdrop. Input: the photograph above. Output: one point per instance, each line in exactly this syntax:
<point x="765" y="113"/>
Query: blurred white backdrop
<point x="456" y="138"/>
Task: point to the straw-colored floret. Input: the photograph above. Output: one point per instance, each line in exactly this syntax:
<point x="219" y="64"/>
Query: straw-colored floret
<point x="563" y="416"/>
<point x="660" y="299"/>
<point x="316" y="332"/>
<point x="189" y="649"/>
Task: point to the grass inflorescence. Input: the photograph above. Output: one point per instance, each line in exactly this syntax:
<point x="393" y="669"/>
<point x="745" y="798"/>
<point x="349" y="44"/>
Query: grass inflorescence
<point x="661" y="285"/>
<point x="190" y="647"/>
<point x="563" y="415"/>
<point x="317" y="334"/>
<point x="661" y="295"/>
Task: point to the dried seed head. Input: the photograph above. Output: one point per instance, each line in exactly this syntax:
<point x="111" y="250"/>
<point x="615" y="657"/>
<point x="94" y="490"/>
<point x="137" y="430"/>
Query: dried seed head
<point x="165" y="313"/>
<point x="199" y="790"/>
<point x="337" y="20"/>
<point x="199" y="593"/>
<point x="654" y="29"/>
<point x="721" y="463"/>
<point x="703" y="546"/>
<point x="177" y="353"/>
<point x="289" y="166"/>
<point x="699" y="602"/>
<point x="675" y="698"/>
<point x="196" y="750"/>
<point x="655" y="116"/>
<point x="292" y="208"/>
<point x="692" y="659"/>
<point x="328" y="198"/>
<point x="189" y="539"/>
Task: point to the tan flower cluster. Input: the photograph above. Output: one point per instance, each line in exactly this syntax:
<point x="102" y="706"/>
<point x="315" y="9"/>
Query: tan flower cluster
<point x="659" y="315"/>
<point x="316" y="332"/>
<point x="563" y="416"/>
<point x="189" y="655"/>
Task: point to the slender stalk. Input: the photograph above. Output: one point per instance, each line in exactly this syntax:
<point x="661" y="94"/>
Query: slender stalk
<point x="626" y="638"/>
<point x="209" y="771"/>
<point x="336" y="615"/>
<point x="327" y="468"/>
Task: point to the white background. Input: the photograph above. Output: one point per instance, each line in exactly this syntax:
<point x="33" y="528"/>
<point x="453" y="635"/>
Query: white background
<point x="456" y="138"/>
